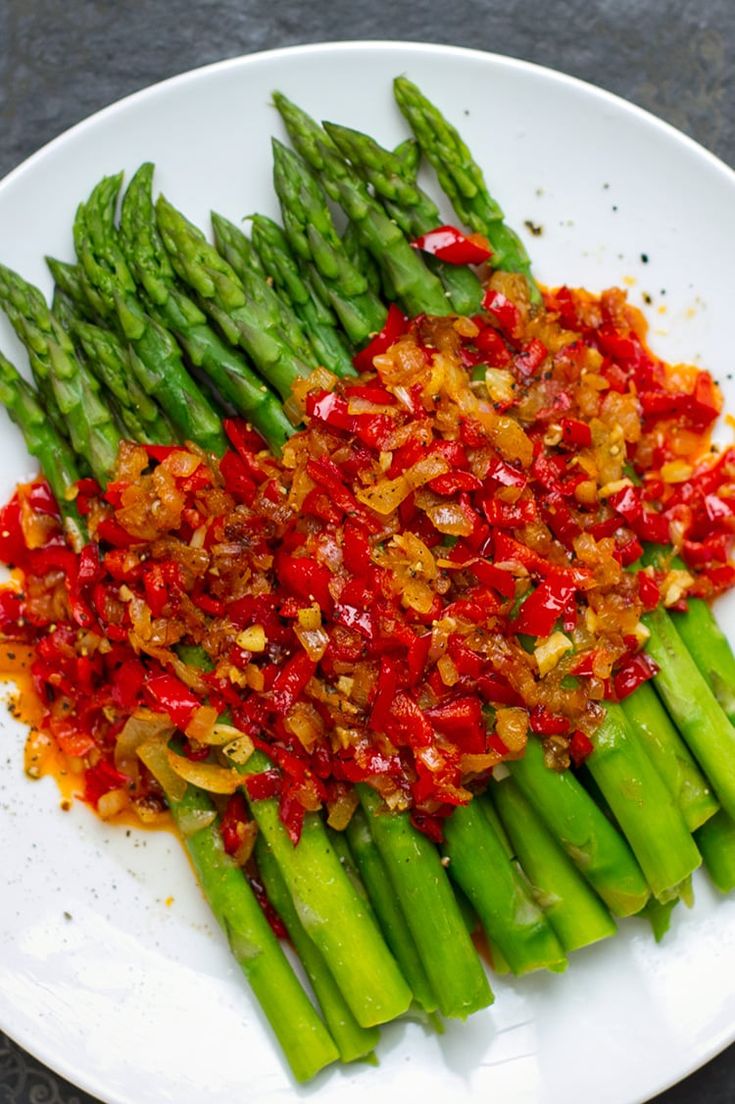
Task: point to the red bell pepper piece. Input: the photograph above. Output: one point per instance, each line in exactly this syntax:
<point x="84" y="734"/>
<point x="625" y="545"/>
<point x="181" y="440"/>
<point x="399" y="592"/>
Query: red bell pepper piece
<point x="503" y="310"/>
<point x="291" y="815"/>
<point x="546" y="723"/>
<point x="127" y="684"/>
<point x="531" y="358"/>
<point x="395" y="326"/>
<point x="161" y="580"/>
<point x="492" y="347"/>
<point x="235" y="814"/>
<point x="453" y="482"/>
<point x="416" y="659"/>
<point x="244" y="438"/>
<point x="111" y="531"/>
<point x="449" y="244"/>
<point x="385" y="692"/>
<point x="460" y="719"/>
<point x="355" y="548"/>
<point x="636" y="671"/>
<point x="237" y="478"/>
<point x="574" y="433"/>
<point x="168" y="694"/>
<point x="306" y="578"/>
<point x="264" y="785"/>
<point x="291" y="681"/>
<point x="580" y="747"/>
<point x="648" y="591"/>
<point x="544" y="606"/>
<point x="509" y="515"/>
<point x="102" y="778"/>
<point x="12" y="544"/>
<point x="629" y="552"/>
<point x="496" y="577"/>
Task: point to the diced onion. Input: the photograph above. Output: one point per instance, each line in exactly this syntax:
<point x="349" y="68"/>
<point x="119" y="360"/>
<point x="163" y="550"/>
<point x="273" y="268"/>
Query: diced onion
<point x="112" y="803"/>
<point x="142" y="727"/>
<point x="155" y="756"/>
<point x="191" y="821"/>
<point x="341" y="810"/>
<point x="208" y="776"/>
<point x="201" y="724"/>
<point x="511" y="725"/>
<point x="240" y="749"/>
<point x="252" y="639"/>
<point x="549" y="651"/>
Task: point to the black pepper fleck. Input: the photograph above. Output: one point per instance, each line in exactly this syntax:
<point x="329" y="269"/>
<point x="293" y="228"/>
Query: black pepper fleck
<point x="533" y="228"/>
<point x="644" y="258"/>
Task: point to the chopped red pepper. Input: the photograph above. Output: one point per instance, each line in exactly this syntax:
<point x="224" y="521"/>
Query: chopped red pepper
<point x="168" y="694"/>
<point x="639" y="669"/>
<point x="452" y="246"/>
<point x="544" y="606"/>
<point x="395" y="325"/>
<point x="580" y="747"/>
<point x="503" y="310"/>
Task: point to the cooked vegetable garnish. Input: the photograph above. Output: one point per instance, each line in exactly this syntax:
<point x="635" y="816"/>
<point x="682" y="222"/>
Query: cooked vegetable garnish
<point x="425" y="643"/>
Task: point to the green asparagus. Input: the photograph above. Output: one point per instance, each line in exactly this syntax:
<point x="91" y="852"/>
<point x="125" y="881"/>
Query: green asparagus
<point x="56" y="368"/>
<point x="52" y="451"/>
<point x="315" y="241"/>
<point x="425" y="895"/>
<point x="409" y="206"/>
<point x="112" y="294"/>
<point x="318" y="318"/>
<point x="353" y="1041"/>
<point x="575" y="912"/>
<point x="407" y="276"/>
<point x="462" y="180"/>
<point x="224" y="366"/>
<point x="306" y="1042"/>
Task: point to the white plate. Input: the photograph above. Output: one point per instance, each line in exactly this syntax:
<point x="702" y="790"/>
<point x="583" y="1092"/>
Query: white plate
<point x="136" y="999"/>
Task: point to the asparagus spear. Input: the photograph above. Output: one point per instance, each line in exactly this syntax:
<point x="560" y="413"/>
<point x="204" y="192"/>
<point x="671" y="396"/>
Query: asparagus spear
<point x="408" y="156"/>
<point x="512" y="920"/>
<point x="112" y="294"/>
<point x="75" y="392"/>
<point x="304" y="1039"/>
<point x="595" y="847"/>
<point x="252" y="320"/>
<point x="671" y="757"/>
<point x="408" y="205"/>
<point x="318" y="318"/>
<point x="314" y="240"/>
<point x="333" y="914"/>
<point x="716" y="841"/>
<point x="462" y="181"/>
<point x="388" y="909"/>
<point x="643" y="806"/>
<point x="693" y="707"/>
<point x="407" y="276"/>
<point x="52" y="451"/>
<point x="423" y="890"/>
<point x="352" y="1040"/>
<point x="364" y="262"/>
<point x="575" y="912"/>
<point x="248" y="266"/>
<point x="234" y="246"/>
<point x="69" y="281"/>
<point x="112" y="364"/>
<point x="227" y="369"/>
<point x="710" y="649"/>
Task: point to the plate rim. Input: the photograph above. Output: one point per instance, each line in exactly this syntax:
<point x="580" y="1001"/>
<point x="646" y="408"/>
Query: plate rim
<point x="511" y="63"/>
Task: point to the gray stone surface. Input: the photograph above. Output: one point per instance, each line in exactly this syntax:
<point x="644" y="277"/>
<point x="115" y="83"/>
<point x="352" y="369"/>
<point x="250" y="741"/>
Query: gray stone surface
<point x="60" y="60"/>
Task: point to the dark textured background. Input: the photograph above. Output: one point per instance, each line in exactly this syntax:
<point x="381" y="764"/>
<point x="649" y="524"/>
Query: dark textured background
<point x="60" y="60"/>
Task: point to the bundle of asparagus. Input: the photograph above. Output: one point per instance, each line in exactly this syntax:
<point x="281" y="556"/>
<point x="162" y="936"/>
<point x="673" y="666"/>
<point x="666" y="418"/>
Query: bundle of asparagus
<point x="153" y="331"/>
